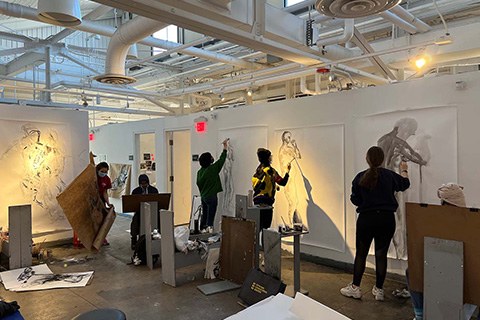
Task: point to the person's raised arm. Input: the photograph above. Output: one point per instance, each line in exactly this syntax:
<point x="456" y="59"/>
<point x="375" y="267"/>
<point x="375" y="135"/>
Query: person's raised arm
<point x="219" y="164"/>
<point x="283" y="181"/>
<point x="402" y="182"/>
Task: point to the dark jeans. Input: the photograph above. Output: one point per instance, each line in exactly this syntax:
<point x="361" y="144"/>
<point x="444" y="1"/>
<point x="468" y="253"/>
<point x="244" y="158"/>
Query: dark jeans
<point x="209" y="209"/>
<point x="135" y="227"/>
<point x="378" y="225"/>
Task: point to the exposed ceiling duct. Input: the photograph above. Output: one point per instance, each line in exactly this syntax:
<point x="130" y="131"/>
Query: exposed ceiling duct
<point x="343" y="38"/>
<point x="60" y="12"/>
<point x="354" y="8"/>
<point x="126" y="36"/>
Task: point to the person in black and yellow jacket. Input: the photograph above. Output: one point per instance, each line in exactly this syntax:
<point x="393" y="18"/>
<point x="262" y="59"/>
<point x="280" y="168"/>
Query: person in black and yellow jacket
<point x="265" y="181"/>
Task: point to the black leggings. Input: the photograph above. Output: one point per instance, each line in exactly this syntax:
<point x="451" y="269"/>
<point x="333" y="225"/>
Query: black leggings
<point x="378" y="225"/>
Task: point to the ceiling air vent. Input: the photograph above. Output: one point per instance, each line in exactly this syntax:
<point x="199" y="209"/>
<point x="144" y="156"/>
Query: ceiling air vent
<point x="348" y="9"/>
<point x="114" y="79"/>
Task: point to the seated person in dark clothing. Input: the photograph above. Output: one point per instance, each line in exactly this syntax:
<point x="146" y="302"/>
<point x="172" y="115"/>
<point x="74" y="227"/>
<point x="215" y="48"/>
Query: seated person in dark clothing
<point x="143" y="188"/>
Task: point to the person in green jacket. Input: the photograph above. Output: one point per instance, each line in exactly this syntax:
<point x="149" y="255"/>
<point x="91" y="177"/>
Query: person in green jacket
<point x="208" y="182"/>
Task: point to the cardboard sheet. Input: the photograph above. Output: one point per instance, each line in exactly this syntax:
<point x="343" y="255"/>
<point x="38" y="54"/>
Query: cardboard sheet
<point x="450" y="223"/>
<point x="42" y="278"/>
<point x="237" y="249"/>
<point x="84" y="209"/>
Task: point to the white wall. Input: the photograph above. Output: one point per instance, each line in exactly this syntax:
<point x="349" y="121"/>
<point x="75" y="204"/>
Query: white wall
<point x="77" y="122"/>
<point x="335" y="108"/>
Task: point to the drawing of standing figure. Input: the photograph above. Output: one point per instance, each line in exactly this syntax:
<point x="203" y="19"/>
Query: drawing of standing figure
<point x="228" y="196"/>
<point x="396" y="148"/>
<point x="287" y="152"/>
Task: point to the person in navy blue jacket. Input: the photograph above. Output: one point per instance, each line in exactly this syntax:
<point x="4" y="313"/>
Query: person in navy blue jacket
<point x="373" y="192"/>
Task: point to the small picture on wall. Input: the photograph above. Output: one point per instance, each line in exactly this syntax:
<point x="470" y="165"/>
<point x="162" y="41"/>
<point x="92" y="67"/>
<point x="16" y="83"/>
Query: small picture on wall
<point x="146" y="156"/>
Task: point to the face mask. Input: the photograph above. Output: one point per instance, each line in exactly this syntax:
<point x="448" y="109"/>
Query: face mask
<point x="102" y="174"/>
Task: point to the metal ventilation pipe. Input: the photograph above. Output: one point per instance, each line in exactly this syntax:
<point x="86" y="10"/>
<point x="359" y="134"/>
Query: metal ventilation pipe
<point x="60" y="12"/>
<point x="387" y="15"/>
<point x="343" y="38"/>
<point x="410" y="18"/>
<point x="126" y="36"/>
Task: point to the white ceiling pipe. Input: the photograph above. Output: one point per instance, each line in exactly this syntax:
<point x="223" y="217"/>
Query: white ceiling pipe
<point x="299" y="6"/>
<point x="398" y="22"/>
<point x="343" y="38"/>
<point x="125" y="36"/>
<point x="18" y="11"/>
<point x="304" y="89"/>
<point x="410" y="18"/>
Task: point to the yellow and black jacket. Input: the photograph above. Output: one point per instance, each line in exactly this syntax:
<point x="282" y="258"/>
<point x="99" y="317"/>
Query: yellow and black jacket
<point x="265" y="182"/>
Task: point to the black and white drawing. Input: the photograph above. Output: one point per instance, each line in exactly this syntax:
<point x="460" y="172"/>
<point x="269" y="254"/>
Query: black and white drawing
<point x="36" y="161"/>
<point x="290" y="154"/>
<point x="121" y="178"/>
<point x="314" y="194"/>
<point x="42" y="278"/>
<point x="426" y="140"/>
<point x="228" y="185"/>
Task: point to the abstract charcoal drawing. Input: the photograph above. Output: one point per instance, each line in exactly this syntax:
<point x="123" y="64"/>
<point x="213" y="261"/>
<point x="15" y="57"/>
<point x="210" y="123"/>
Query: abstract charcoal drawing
<point x="287" y="153"/>
<point x="121" y="177"/>
<point x="28" y="278"/>
<point x="228" y="186"/>
<point x="43" y="158"/>
<point x="397" y="149"/>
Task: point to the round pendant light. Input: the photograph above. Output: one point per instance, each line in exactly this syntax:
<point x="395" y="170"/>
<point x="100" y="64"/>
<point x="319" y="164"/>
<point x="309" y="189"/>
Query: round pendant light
<point x="349" y="9"/>
<point x="59" y="12"/>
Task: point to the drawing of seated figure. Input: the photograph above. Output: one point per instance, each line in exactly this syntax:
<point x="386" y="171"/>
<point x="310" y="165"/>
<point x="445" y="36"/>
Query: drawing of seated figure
<point x="287" y="152"/>
<point x="396" y="148"/>
<point x="119" y="182"/>
<point x="228" y="195"/>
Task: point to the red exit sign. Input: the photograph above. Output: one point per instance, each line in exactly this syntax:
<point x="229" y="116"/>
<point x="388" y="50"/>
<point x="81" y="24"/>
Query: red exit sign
<point x="200" y="126"/>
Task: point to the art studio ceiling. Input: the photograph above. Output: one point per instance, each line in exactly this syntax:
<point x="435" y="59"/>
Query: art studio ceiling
<point x="218" y="53"/>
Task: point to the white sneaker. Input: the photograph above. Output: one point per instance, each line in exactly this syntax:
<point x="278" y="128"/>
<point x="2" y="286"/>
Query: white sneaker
<point x="204" y="230"/>
<point x="378" y="293"/>
<point x="209" y="229"/>
<point x="351" y="291"/>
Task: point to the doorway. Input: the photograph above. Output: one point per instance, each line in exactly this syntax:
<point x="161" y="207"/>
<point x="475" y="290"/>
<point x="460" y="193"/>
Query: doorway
<point x="179" y="175"/>
<point x="145" y="158"/>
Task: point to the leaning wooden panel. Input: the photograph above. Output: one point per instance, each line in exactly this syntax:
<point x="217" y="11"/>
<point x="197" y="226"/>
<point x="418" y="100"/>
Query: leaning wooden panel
<point x="450" y="223"/>
<point x="83" y="207"/>
<point x="237" y="249"/>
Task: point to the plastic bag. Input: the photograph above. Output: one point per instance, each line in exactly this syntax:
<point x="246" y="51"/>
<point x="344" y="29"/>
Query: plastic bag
<point x="181" y="235"/>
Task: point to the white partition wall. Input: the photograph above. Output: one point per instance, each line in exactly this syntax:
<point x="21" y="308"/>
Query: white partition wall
<point x="41" y="151"/>
<point x="330" y="138"/>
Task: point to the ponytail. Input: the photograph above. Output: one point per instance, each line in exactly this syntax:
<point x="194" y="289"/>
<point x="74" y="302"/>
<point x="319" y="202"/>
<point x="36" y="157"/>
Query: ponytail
<point x="375" y="157"/>
<point x="370" y="179"/>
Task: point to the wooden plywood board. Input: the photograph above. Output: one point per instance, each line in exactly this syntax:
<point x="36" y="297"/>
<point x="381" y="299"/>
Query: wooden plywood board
<point x="450" y="223"/>
<point x="237" y="249"/>
<point x="83" y="207"/>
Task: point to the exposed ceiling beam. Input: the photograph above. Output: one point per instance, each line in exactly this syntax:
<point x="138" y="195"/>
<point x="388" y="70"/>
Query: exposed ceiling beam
<point x="366" y="48"/>
<point x="54" y="105"/>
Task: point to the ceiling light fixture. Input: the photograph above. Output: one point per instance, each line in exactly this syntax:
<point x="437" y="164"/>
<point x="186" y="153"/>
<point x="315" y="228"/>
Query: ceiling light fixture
<point x="249" y="92"/>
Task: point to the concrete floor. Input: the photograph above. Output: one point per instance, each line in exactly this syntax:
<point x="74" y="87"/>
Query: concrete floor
<point x="139" y="292"/>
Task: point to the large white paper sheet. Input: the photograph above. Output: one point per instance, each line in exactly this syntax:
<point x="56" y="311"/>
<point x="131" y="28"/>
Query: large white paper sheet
<point x="427" y="139"/>
<point x="42" y="278"/>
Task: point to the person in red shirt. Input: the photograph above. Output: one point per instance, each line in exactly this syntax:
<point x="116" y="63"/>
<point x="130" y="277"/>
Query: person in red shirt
<point x="104" y="183"/>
